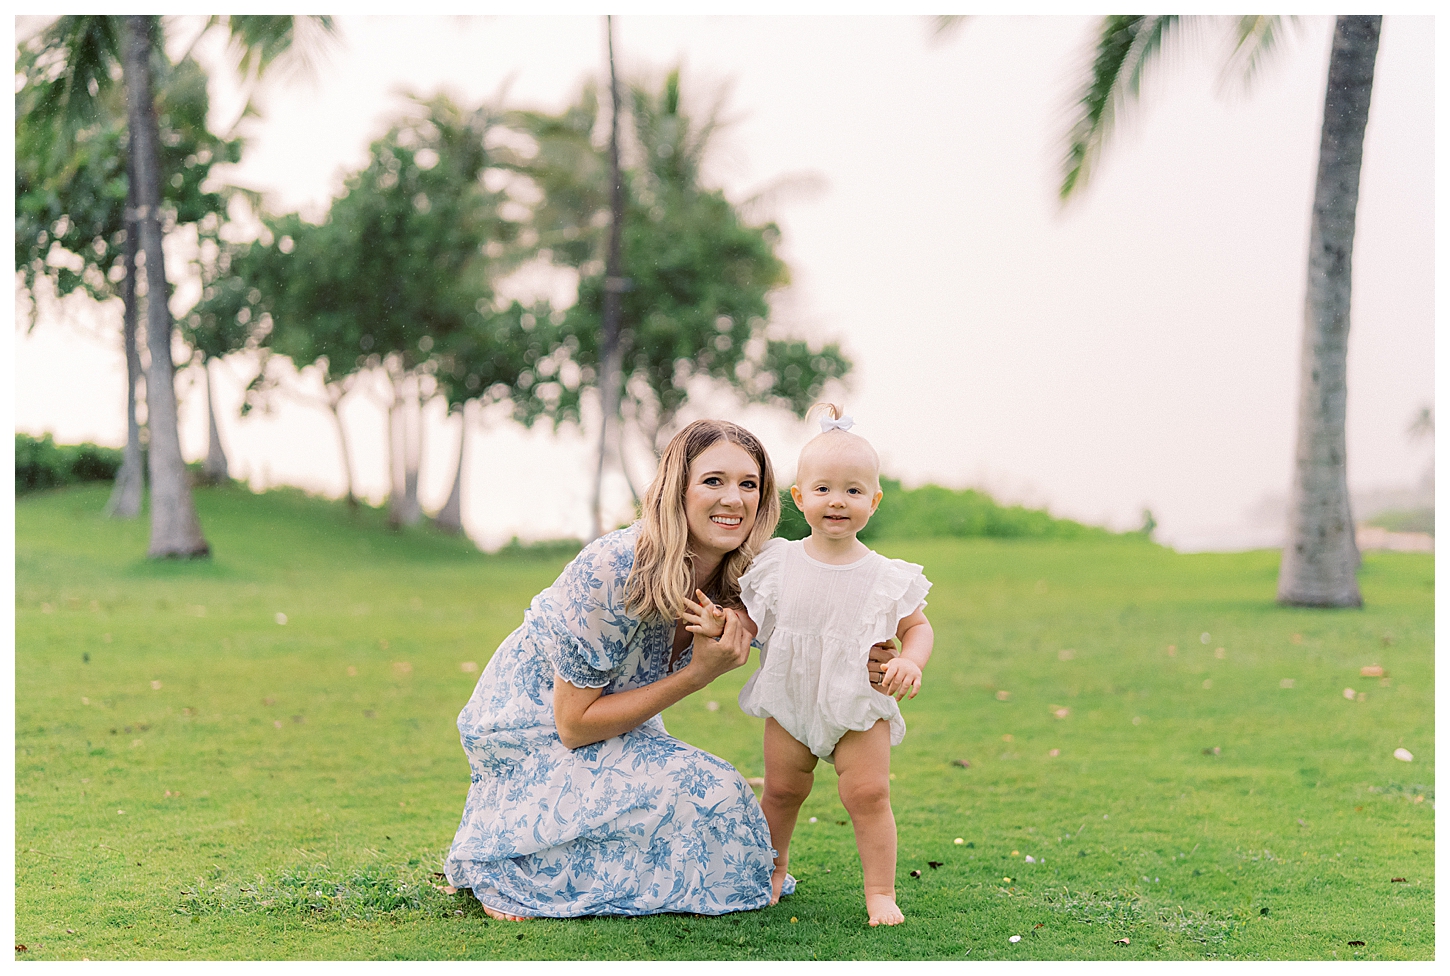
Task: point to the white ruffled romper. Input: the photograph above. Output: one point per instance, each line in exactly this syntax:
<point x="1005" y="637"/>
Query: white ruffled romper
<point x="817" y="624"/>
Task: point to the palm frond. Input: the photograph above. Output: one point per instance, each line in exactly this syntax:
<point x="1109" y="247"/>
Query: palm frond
<point x="758" y="206"/>
<point x="673" y="139"/>
<point x="944" y="25"/>
<point x="76" y="58"/>
<point x="260" y="42"/>
<point x="1254" y="38"/>
<point x="1125" y="46"/>
<point x="1423" y="425"/>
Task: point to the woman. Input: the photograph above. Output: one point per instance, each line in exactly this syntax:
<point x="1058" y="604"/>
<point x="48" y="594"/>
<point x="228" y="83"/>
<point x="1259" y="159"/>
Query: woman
<point x="581" y="803"/>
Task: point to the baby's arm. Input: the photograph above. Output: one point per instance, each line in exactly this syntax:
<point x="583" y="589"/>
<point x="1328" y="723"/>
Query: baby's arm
<point x="705" y="618"/>
<point x="902" y="674"/>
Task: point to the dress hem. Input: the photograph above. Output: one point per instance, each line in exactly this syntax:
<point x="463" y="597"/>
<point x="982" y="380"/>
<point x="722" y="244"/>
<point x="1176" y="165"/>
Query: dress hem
<point x="786" y="890"/>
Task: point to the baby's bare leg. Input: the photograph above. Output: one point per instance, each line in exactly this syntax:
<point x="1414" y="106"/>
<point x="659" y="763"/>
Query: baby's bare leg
<point x="789" y="775"/>
<point x="863" y="762"/>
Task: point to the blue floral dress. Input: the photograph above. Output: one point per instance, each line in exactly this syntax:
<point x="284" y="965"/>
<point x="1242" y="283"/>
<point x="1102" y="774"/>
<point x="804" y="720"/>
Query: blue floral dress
<point x="637" y="824"/>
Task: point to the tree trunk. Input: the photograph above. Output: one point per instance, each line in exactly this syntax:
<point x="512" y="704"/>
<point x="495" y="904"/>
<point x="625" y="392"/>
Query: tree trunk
<point x="611" y="352"/>
<point x="125" y="501"/>
<point x="1320" y="556"/>
<point x="175" y="530"/>
<point x="450" y="517"/>
<point x="412" y="511"/>
<point x="334" y="402"/>
<point x="624" y="467"/>
<point x="215" y="469"/>
<point x="395" y="453"/>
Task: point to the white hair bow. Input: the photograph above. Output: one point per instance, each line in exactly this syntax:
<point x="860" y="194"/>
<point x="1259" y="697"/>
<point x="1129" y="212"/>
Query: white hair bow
<point x="831" y="423"/>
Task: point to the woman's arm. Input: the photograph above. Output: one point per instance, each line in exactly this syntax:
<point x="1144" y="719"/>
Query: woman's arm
<point x="584" y="716"/>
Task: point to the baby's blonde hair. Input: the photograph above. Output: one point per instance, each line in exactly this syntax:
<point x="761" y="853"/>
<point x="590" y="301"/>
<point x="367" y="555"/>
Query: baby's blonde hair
<point x="836" y="441"/>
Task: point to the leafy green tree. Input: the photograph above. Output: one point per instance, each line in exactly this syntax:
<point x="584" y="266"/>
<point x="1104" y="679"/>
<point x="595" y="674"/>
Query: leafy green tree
<point x="696" y="275"/>
<point x="253" y="288"/>
<point x="397" y="282"/>
<point x="83" y="57"/>
<point x="1320" y="556"/>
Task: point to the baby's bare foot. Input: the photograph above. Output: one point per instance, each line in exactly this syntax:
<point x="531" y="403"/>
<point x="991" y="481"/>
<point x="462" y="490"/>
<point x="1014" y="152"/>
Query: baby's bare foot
<point x="777" y="878"/>
<point x="883" y="911"/>
<point x="505" y="917"/>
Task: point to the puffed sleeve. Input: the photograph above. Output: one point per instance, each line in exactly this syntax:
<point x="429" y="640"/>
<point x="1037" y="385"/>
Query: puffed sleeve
<point x="586" y="630"/>
<point x="760" y="587"/>
<point x="901" y="589"/>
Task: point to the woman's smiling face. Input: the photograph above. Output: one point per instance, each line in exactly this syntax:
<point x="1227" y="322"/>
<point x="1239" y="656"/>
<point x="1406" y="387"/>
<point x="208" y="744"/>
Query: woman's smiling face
<point x="722" y="497"/>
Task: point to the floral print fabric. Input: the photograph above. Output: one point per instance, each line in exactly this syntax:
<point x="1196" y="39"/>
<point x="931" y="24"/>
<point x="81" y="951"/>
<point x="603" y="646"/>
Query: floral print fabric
<point x="637" y="824"/>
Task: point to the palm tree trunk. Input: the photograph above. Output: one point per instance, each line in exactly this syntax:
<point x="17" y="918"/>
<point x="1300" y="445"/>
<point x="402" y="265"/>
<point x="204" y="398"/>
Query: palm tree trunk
<point x="175" y="530"/>
<point x="215" y="468"/>
<point x="611" y="352"/>
<point x="125" y="501"/>
<point x="1320" y="556"/>
<point x="450" y="517"/>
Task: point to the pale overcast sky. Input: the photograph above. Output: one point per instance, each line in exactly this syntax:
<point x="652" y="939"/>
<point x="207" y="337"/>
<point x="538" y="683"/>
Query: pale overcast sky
<point x="1138" y="348"/>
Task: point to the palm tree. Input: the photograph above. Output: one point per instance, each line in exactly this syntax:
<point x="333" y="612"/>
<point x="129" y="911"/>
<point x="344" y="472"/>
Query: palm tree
<point x="87" y="50"/>
<point x="692" y="281"/>
<point x="175" y="529"/>
<point x="66" y="188"/>
<point x="611" y="348"/>
<point x="1320" y="556"/>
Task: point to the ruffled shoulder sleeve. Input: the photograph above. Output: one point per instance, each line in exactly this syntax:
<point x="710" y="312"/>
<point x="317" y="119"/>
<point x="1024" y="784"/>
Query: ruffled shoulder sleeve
<point x="900" y="590"/>
<point x="760" y="587"/>
<point x="586" y="632"/>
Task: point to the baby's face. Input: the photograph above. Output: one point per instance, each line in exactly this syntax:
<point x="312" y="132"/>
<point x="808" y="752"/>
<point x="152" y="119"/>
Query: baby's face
<point x="838" y="492"/>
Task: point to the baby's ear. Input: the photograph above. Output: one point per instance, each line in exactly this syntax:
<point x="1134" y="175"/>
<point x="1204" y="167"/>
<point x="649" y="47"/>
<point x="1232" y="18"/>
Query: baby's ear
<point x="876" y="500"/>
<point x="795" y="495"/>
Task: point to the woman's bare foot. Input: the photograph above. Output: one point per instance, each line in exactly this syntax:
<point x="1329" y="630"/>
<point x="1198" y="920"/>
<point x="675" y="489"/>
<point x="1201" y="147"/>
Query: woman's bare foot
<point x="505" y="917"/>
<point x="882" y="910"/>
<point x="777" y="878"/>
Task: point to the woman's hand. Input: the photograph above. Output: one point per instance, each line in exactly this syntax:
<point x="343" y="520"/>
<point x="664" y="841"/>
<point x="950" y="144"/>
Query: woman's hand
<point x="712" y="657"/>
<point x="876" y="663"/>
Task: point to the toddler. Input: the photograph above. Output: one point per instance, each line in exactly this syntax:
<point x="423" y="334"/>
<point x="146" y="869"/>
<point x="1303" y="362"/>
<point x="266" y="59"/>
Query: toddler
<point x="820" y="604"/>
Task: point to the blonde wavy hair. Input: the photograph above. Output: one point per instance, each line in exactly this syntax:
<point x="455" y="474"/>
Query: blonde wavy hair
<point x="662" y="577"/>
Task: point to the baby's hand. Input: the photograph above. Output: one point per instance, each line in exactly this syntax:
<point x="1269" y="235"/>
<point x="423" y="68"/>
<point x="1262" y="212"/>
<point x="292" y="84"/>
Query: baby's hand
<point x="704" y="618"/>
<point x="901" y="678"/>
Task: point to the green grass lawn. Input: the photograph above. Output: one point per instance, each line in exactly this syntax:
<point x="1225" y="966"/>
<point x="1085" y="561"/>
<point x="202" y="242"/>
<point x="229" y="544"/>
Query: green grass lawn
<point x="195" y="778"/>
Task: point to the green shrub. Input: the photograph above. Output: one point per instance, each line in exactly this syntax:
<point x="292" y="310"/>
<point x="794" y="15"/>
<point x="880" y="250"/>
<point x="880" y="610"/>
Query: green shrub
<point x="41" y="463"/>
<point x="1406" y="520"/>
<point x="565" y="549"/>
<point x="932" y="511"/>
<point x="792" y="523"/>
